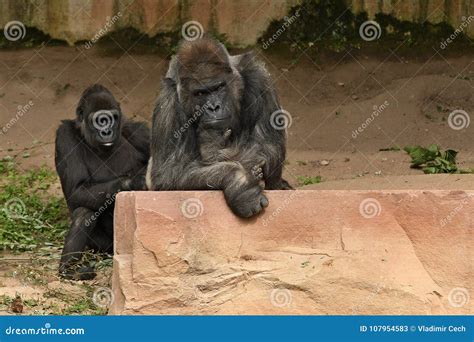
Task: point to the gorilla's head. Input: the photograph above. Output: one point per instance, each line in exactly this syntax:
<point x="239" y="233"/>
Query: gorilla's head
<point x="209" y="86"/>
<point x="99" y="117"/>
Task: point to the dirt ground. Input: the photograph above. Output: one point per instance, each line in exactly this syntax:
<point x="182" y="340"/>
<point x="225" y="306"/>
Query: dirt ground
<point x="327" y="101"/>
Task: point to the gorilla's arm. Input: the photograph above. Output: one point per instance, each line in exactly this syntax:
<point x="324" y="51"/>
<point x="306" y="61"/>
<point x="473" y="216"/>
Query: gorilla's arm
<point x="263" y="141"/>
<point x="79" y="188"/>
<point x="138" y="135"/>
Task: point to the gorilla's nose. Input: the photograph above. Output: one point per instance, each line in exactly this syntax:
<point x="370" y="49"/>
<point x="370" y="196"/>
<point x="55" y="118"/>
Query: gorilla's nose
<point x="214" y="111"/>
<point x="106" y="135"/>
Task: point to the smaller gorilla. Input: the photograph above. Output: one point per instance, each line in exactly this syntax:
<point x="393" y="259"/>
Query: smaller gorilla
<point x="97" y="155"/>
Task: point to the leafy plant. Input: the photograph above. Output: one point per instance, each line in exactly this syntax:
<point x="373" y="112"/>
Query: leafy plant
<point x="432" y="160"/>
<point x="313" y="26"/>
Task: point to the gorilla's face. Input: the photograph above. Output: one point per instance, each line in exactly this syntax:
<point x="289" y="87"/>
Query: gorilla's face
<point x="101" y="125"/>
<point x="212" y="97"/>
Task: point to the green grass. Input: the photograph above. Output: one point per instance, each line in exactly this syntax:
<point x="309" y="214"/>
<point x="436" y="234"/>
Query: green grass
<point x="78" y="305"/>
<point x="30" y="217"/>
<point x="64" y="303"/>
<point x="304" y="180"/>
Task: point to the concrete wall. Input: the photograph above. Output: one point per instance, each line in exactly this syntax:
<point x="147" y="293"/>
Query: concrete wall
<point x="242" y="21"/>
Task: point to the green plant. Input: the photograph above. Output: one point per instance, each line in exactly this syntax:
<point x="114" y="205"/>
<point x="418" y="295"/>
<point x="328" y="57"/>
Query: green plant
<point x="432" y="160"/>
<point x="304" y="180"/>
<point x="330" y="25"/>
<point x="30" y="216"/>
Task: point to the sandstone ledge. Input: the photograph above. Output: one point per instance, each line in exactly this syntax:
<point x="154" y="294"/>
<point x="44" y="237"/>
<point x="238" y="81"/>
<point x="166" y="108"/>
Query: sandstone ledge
<point x="311" y="252"/>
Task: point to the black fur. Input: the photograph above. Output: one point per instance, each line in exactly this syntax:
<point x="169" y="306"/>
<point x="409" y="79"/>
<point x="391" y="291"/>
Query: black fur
<point x="227" y="154"/>
<point x="92" y="174"/>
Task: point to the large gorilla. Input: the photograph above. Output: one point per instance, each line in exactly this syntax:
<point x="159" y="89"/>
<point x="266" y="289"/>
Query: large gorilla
<point x="97" y="155"/>
<point x="212" y="127"/>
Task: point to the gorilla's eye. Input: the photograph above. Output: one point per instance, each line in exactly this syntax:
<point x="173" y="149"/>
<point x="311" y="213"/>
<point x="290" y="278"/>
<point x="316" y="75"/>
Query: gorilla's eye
<point x="199" y="93"/>
<point x="208" y="90"/>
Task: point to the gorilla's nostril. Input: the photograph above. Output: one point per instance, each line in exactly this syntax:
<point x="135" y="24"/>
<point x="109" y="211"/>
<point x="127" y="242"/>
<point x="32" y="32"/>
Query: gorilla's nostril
<point x="105" y="133"/>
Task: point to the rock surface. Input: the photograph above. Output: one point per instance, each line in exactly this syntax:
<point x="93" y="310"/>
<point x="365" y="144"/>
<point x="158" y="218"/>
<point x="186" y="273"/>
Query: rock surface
<point x="311" y="252"/>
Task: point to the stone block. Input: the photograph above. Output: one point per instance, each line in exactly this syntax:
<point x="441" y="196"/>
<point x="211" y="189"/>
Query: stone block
<point x="328" y="252"/>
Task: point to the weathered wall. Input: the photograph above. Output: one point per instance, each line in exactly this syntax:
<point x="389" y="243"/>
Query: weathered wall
<point x="242" y="21"/>
<point x="73" y="20"/>
<point x="433" y="11"/>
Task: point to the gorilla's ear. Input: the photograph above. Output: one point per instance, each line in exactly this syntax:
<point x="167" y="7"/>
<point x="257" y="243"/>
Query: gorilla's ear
<point x="236" y="60"/>
<point x="169" y="83"/>
<point x="80" y="109"/>
<point x="172" y="72"/>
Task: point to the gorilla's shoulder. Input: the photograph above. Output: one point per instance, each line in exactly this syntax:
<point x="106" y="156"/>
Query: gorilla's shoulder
<point x="249" y="65"/>
<point x="68" y="136"/>
<point x="253" y="71"/>
<point x="67" y="128"/>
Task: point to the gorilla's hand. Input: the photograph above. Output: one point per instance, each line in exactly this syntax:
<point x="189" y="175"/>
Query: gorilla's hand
<point x="244" y="195"/>
<point x="257" y="171"/>
<point x="80" y="273"/>
<point x="136" y="182"/>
